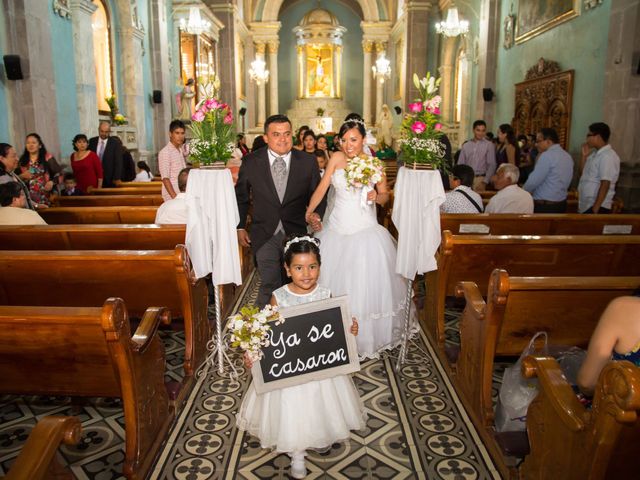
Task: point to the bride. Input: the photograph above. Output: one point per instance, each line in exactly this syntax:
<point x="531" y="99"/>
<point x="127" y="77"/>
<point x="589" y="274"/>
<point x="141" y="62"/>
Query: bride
<point x="359" y="255"/>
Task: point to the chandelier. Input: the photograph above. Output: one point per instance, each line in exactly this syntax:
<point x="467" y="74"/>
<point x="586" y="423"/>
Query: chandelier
<point x="258" y="72"/>
<point x="453" y="26"/>
<point x="382" y="68"/>
<point x="195" y="25"/>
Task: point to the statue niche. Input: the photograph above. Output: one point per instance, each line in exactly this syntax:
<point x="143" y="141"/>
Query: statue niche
<point x="319" y="71"/>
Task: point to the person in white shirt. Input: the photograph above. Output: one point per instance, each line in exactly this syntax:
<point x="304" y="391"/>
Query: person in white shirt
<point x="144" y="172"/>
<point x="600" y="166"/>
<point x="174" y="211"/>
<point x="13" y="207"/>
<point x="510" y="197"/>
<point x="462" y="198"/>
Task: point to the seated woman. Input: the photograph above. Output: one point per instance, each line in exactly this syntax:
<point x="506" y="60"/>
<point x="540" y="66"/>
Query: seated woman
<point x="616" y="337"/>
<point x="143" y="172"/>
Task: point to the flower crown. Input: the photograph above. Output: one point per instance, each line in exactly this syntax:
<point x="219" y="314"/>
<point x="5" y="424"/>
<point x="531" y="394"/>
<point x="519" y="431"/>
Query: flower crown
<point x="307" y="238"/>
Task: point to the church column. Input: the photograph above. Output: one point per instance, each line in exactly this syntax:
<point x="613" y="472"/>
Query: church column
<point x="262" y="108"/>
<point x="133" y="99"/>
<point x="85" y="68"/>
<point x="160" y="71"/>
<point x="416" y="41"/>
<point x="489" y="38"/>
<point x="380" y="50"/>
<point x="367" y="47"/>
<point x="447" y="91"/>
<point x="337" y="69"/>
<point x="227" y="16"/>
<point x="272" y="47"/>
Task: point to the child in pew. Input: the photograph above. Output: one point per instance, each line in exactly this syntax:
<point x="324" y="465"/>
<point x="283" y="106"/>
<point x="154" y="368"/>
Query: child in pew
<point x="70" y="186"/>
<point x="617" y="337"/>
<point x="318" y="413"/>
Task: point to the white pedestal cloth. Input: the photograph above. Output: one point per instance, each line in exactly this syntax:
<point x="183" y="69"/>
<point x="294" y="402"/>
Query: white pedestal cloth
<point x="212" y="219"/>
<point x="418" y="195"/>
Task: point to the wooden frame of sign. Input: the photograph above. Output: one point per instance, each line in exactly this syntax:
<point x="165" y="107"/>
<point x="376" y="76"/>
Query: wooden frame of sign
<point x="313" y="343"/>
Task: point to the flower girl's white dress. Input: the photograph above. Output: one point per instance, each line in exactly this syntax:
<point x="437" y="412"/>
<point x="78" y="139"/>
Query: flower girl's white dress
<point x="359" y="259"/>
<point x="312" y="415"/>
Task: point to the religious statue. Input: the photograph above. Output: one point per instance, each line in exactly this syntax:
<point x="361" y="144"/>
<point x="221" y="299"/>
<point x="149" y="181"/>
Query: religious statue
<point x="185" y="105"/>
<point x="385" y="125"/>
<point x="319" y="80"/>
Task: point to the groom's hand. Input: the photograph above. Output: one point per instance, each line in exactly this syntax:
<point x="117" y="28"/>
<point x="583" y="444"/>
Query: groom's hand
<point x="243" y="238"/>
<point x="313" y="219"/>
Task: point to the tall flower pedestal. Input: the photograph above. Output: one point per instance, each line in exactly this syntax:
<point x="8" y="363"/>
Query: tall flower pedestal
<point x="212" y="242"/>
<point x="418" y="195"/>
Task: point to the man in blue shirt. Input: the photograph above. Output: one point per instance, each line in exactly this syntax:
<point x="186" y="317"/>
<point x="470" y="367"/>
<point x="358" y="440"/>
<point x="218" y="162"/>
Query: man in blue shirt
<point x="552" y="175"/>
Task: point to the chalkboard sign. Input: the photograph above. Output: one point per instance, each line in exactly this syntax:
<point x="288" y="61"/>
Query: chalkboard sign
<point x="314" y="343"/>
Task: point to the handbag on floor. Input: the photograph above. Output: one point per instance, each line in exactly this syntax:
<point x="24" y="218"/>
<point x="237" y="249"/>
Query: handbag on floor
<point x="517" y="392"/>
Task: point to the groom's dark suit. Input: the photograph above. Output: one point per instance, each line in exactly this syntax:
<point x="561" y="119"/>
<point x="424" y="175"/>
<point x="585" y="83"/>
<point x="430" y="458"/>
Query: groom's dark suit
<point x="255" y="186"/>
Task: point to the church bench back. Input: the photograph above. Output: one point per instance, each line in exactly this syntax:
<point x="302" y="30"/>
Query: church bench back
<point x="540" y="224"/>
<point x="153" y="189"/>
<point x="108" y="200"/>
<point x="99" y="215"/>
<point x="89" y="351"/>
<point x="152" y="184"/>
<point x="567" y="308"/>
<point x="473" y="258"/>
<point x="142" y="278"/>
<point x="92" y="237"/>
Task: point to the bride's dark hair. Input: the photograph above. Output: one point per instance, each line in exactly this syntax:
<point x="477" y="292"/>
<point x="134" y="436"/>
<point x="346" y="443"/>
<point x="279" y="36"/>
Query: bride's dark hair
<point x="349" y="124"/>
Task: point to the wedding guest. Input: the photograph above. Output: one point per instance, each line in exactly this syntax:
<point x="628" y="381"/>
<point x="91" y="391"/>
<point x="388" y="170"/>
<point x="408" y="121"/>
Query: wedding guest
<point x="172" y="159"/>
<point x="552" y="175"/>
<point x="70" y="186"/>
<point x="321" y="157"/>
<point x="318" y="413"/>
<point x="462" y="199"/>
<point x="258" y="143"/>
<point x="109" y="151"/>
<point x="144" y="172"/>
<point x="13" y="206"/>
<point x="241" y="144"/>
<point x="86" y="165"/>
<point x="38" y="169"/>
<point x="128" y="166"/>
<point x="524" y="163"/>
<point x="510" y="197"/>
<point x="298" y="144"/>
<point x="309" y="142"/>
<point x="175" y="210"/>
<point x="480" y="154"/>
<point x="600" y="167"/>
<point x="8" y="164"/>
<point x="508" y="150"/>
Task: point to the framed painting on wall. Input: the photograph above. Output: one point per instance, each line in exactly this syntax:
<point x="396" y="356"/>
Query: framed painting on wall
<point x="538" y="16"/>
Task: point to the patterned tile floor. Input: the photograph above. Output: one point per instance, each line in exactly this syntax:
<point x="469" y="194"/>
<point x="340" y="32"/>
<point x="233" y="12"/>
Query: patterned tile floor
<point x="417" y="428"/>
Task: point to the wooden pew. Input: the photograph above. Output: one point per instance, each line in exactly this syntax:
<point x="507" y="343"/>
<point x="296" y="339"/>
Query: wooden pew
<point x="153" y="184"/>
<point x="99" y="215"/>
<point x="108" y="200"/>
<point x="91" y="352"/>
<point x="37" y="459"/>
<point x="571" y="442"/>
<point x="473" y="258"/>
<point x="127" y="191"/>
<point x="141" y="278"/>
<point x="92" y="237"/>
<point x="567" y="308"/>
<point x="541" y="224"/>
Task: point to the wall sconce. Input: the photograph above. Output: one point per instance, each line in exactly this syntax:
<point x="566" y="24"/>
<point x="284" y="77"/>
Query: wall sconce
<point x="258" y="72"/>
<point x="382" y="68"/>
<point x="452" y="26"/>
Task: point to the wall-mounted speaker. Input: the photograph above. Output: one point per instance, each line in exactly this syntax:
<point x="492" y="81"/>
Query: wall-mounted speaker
<point x="242" y="111"/>
<point x="487" y="94"/>
<point x="12" y="67"/>
<point x="157" y="96"/>
<point x="397" y="109"/>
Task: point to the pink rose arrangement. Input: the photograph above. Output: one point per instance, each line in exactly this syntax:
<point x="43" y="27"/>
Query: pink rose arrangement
<point x="213" y="133"/>
<point x="421" y="128"/>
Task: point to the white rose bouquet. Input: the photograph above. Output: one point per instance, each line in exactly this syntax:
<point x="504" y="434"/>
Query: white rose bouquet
<point x="250" y="329"/>
<point x="363" y="171"/>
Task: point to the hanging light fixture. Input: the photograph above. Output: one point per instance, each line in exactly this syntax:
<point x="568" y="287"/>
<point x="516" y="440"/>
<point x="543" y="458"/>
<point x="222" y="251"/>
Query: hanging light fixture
<point x="382" y="68"/>
<point x="258" y="72"/>
<point x="195" y="24"/>
<point x="452" y="26"/>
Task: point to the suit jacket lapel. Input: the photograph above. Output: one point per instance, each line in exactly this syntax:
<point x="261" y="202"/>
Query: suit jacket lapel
<point x="293" y="170"/>
<point x="265" y="169"/>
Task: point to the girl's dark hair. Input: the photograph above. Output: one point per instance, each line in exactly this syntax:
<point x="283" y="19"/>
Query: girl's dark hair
<point x="142" y="165"/>
<point x="80" y="136"/>
<point x="349" y="124"/>
<point x="4" y="149"/>
<point x="42" y="155"/>
<point x="301" y="246"/>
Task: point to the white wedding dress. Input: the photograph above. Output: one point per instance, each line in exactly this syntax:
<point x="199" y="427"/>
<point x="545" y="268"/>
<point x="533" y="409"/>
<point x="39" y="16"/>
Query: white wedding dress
<point x="358" y="259"/>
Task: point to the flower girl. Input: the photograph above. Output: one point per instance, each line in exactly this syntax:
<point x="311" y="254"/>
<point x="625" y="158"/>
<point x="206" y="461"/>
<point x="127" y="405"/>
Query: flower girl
<point x="315" y="414"/>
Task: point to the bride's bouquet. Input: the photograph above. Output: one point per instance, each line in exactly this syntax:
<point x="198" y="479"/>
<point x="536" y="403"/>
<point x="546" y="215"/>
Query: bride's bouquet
<point x="364" y="171"/>
<point x="250" y="329"/>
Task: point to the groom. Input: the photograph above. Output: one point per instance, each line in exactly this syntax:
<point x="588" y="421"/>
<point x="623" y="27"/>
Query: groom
<point x="278" y="183"/>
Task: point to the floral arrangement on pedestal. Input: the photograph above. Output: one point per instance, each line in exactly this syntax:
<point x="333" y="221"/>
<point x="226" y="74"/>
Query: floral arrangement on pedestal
<point x="213" y="132"/>
<point x="421" y="127"/>
<point x="116" y="118"/>
<point x="250" y="329"/>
